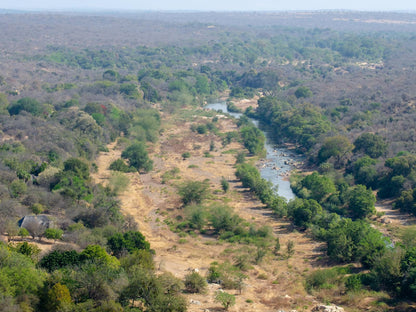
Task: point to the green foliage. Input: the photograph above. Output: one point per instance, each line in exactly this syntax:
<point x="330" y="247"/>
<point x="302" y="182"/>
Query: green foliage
<point x="129" y="90"/>
<point x="336" y="147"/>
<point x="227" y="300"/>
<point x="23" y="232"/>
<point x="350" y="241"/>
<point x="120" y="165"/>
<point x="149" y="92"/>
<point x="27" y="104"/>
<point x="193" y="192"/>
<point x="37" y="208"/>
<point x="222" y="219"/>
<point x="17" y="188"/>
<point x="361" y="202"/>
<point x="253" y="139"/>
<point x="320" y="186"/>
<point x="53" y="233"/>
<point x="277" y="246"/>
<point x="30" y="250"/>
<point x="240" y="158"/>
<point x="145" y="125"/>
<point x="58" y="298"/>
<point x="59" y="259"/>
<point x="195" y="283"/>
<point x="365" y="172"/>
<point x="77" y="167"/>
<point x="370" y="144"/>
<point x="302" y="124"/>
<point x="19" y="276"/>
<point x="290" y="248"/>
<point x="227" y="274"/>
<point x="4" y="103"/>
<point x="303" y="92"/>
<point x="322" y="279"/>
<point x="186" y="155"/>
<point x="137" y="157"/>
<point x="130" y="242"/>
<point x="407" y="201"/>
<point x="196" y="216"/>
<point x="73" y="181"/>
<point x="225" y="185"/>
<point x="353" y="283"/>
<point x="304" y="212"/>
<point x="99" y="255"/>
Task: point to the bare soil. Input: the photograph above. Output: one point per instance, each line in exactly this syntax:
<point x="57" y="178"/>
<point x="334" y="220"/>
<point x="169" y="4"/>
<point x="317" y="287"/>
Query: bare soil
<point x="277" y="282"/>
<point x="274" y="284"/>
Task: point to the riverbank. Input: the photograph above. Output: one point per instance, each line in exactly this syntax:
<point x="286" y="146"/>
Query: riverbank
<point x="280" y="160"/>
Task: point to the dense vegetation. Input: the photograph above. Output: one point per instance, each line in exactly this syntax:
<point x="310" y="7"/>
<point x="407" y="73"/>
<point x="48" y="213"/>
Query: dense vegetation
<point x="344" y="98"/>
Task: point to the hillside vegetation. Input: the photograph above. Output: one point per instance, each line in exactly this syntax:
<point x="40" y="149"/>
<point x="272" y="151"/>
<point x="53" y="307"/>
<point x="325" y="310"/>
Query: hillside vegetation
<point x="133" y="197"/>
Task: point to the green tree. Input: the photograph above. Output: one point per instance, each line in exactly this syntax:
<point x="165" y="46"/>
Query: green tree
<point x="53" y="233"/>
<point x="361" y="202"/>
<point x="320" y="186"/>
<point x="130" y="241"/>
<point x="195" y="283"/>
<point x="193" y="192"/>
<point x="27" y="104"/>
<point x="253" y="139"/>
<point x="58" y="299"/>
<point x="227" y="300"/>
<point x="59" y="259"/>
<point x="120" y="165"/>
<point x="303" y="92"/>
<point x="304" y="211"/>
<point x="138" y="157"/>
<point x="337" y="147"/>
<point x="371" y="144"/>
<point x="17" y="188"/>
<point x="37" y="208"/>
<point x="365" y="172"/>
<point x="98" y="254"/>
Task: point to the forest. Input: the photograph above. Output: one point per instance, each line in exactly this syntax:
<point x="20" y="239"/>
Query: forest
<point x="110" y="167"/>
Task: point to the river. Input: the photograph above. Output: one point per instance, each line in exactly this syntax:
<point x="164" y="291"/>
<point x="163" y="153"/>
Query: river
<point x="277" y="164"/>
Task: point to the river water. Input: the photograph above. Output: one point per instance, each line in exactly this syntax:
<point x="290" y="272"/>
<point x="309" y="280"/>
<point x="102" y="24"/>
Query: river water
<point x="277" y="164"/>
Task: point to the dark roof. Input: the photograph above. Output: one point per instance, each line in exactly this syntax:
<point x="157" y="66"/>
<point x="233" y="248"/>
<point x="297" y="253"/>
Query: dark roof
<point x="41" y="219"/>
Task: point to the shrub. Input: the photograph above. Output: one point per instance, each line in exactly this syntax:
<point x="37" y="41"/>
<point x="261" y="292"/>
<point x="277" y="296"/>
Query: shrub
<point x="193" y="192"/>
<point x="321" y="279"/>
<point x="119" y="165"/>
<point x="225" y="185"/>
<point x="137" y="157"/>
<point x="227" y="300"/>
<point x="195" y="283"/>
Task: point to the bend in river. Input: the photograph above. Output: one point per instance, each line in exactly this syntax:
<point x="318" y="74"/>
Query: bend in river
<point x="277" y="164"/>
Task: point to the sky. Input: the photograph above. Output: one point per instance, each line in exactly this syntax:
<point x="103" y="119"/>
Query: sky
<point x="211" y="5"/>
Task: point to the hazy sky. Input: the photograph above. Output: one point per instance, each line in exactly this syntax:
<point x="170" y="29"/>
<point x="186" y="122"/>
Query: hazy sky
<point x="212" y="5"/>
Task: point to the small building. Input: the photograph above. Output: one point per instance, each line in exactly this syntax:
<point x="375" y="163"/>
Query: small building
<point x="41" y="220"/>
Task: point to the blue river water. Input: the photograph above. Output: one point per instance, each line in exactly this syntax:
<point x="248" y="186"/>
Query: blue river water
<point x="277" y="164"/>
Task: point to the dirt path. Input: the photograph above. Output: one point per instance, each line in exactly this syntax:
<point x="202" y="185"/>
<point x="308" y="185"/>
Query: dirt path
<point x="392" y="216"/>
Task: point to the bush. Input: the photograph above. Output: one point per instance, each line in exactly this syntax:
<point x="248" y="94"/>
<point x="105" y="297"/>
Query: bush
<point x="53" y="233"/>
<point x="225" y="185"/>
<point x="195" y="283"/>
<point x="120" y="165"/>
<point x="353" y="283"/>
<point x="137" y="157"/>
<point x="321" y="279"/>
<point x="193" y="192"/>
<point x="227" y="300"/>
